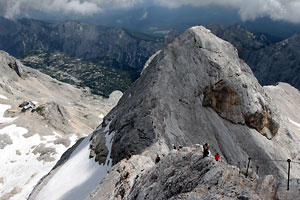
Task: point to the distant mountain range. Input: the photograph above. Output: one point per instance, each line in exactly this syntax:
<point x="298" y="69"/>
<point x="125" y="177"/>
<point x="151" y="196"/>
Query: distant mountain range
<point x="120" y="54"/>
<point x="128" y="48"/>
<point x="101" y="58"/>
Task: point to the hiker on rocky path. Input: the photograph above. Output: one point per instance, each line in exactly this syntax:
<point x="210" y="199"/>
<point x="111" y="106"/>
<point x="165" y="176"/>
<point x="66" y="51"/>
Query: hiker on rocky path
<point x="157" y="159"/>
<point x="205" y="150"/>
<point x="217" y="156"/>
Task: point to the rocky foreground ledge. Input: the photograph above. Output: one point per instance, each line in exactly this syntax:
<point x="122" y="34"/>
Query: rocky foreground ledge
<point x="185" y="174"/>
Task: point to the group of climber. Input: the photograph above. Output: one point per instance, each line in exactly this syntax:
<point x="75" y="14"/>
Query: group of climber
<point x="205" y="153"/>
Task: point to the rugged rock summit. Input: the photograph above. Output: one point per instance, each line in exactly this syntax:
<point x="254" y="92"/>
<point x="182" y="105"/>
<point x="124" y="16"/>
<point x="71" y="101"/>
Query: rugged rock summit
<point x="194" y="91"/>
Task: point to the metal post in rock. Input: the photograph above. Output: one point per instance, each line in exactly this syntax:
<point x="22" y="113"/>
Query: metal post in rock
<point x="249" y="159"/>
<point x="289" y="169"/>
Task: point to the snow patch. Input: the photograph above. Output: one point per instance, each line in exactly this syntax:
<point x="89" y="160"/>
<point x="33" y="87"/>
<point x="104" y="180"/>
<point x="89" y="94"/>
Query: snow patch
<point x="35" y="102"/>
<point x="295" y="123"/>
<point x="3" y="108"/>
<point x="3" y="97"/>
<point x="80" y="175"/>
<point x="101" y="116"/>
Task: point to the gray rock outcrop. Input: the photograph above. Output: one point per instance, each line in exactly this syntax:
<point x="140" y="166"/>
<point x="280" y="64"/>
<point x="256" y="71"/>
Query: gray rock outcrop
<point x="185" y="174"/>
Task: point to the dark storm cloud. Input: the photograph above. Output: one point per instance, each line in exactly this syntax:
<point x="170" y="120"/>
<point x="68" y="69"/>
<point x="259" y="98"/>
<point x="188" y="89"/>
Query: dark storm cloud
<point x="248" y="9"/>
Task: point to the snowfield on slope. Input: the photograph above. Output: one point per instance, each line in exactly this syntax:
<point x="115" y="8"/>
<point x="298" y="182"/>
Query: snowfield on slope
<point x="20" y="167"/>
<point x="3" y="97"/>
<point x="79" y="176"/>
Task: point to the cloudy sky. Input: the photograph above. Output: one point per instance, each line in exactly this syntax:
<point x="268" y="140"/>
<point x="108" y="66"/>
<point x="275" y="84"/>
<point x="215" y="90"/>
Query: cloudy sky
<point x="287" y="10"/>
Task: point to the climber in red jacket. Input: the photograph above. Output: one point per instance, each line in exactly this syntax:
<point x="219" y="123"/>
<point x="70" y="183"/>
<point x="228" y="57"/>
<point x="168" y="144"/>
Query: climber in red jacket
<point x="217" y="156"/>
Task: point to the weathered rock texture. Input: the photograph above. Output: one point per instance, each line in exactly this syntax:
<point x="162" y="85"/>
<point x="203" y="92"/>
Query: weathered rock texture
<point x="185" y="174"/>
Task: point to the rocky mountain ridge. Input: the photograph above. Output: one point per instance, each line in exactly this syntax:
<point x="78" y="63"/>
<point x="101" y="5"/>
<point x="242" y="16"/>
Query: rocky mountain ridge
<point x="194" y="91"/>
<point x="185" y="174"/>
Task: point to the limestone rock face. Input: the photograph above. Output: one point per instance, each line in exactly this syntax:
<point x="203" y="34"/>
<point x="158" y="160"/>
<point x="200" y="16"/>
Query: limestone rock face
<point x="196" y="90"/>
<point x="228" y="104"/>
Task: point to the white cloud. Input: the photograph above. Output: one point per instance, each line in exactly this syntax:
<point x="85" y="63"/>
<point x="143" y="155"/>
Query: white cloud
<point x="248" y="9"/>
<point x="12" y="8"/>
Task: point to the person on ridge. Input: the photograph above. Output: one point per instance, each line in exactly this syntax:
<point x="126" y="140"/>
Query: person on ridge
<point x="157" y="159"/>
<point x="174" y="147"/>
<point x="205" y="150"/>
<point x="217" y="156"/>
